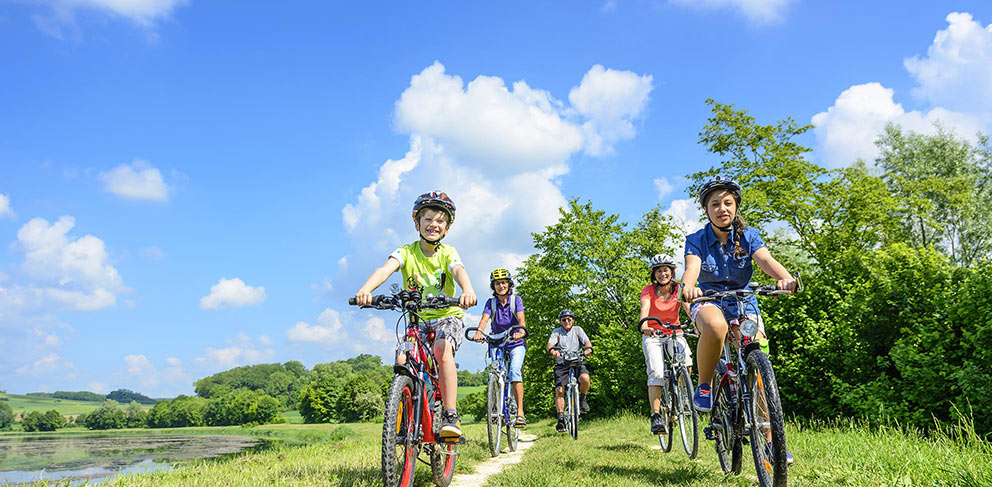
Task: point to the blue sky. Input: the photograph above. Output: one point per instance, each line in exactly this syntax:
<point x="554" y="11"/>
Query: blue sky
<point x="190" y="186"/>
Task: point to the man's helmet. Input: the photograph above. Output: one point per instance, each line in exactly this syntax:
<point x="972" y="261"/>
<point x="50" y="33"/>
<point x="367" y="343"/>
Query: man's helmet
<point x="566" y="312"/>
<point x="435" y="199"/>
<point x="661" y="260"/>
<point x="497" y="274"/>
<point x="720" y="183"/>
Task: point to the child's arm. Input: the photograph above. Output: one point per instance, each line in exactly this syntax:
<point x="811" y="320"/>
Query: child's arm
<point x="467" y="299"/>
<point x="689" y="289"/>
<point x="364" y="295"/>
<point x="776" y="271"/>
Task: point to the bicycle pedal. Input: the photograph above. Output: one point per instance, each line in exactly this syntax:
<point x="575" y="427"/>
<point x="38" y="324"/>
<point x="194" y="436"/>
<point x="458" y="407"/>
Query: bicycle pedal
<point x="459" y="440"/>
<point x="710" y="433"/>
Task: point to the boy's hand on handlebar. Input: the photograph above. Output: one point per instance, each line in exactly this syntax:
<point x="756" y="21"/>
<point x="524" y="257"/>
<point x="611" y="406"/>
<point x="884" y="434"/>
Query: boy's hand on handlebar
<point x="363" y="298"/>
<point x="789" y="284"/>
<point x="467" y="300"/>
<point x="691" y="292"/>
<point x="518" y="335"/>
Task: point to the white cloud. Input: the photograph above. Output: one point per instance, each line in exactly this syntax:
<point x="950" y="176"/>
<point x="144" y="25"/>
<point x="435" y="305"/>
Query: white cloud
<point x="756" y="11"/>
<point x="327" y="330"/>
<point x="848" y="130"/>
<point x="686" y="215"/>
<point x="148" y="375"/>
<point x="242" y="350"/>
<point x="957" y="70"/>
<point x="664" y="187"/>
<point x="232" y="293"/>
<point x="5" y="210"/>
<point x="143" y="13"/>
<point x="375" y="330"/>
<point x="73" y="273"/>
<point x="153" y="253"/>
<point x="323" y="290"/>
<point x="137" y="181"/>
<point x="49" y="364"/>
<point x="610" y="100"/>
<point x="343" y="263"/>
<point x="99" y="387"/>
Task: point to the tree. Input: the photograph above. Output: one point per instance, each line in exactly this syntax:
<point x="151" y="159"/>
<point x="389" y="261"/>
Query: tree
<point x="127" y="395"/>
<point x="362" y="399"/>
<point x="136" y="415"/>
<point x="107" y="416"/>
<point x="50" y="420"/>
<point x="6" y="416"/>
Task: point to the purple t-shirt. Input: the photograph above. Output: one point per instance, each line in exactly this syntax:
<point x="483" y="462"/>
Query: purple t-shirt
<point x="503" y="319"/>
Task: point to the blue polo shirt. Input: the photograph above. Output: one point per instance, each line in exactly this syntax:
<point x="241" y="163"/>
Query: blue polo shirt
<point x="720" y="269"/>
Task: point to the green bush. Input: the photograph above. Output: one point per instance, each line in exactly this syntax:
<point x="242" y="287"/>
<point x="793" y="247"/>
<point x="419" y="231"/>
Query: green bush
<point x="6" y="416"/>
<point x="180" y="412"/>
<point x="107" y="416"/>
<point x="473" y="405"/>
<point x="50" y="420"/>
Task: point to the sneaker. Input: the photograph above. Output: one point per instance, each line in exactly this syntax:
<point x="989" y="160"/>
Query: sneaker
<point x="451" y="427"/>
<point x="583" y="405"/>
<point x="702" y="400"/>
<point x="560" y="427"/>
<point x="658" y="425"/>
<point x="788" y="455"/>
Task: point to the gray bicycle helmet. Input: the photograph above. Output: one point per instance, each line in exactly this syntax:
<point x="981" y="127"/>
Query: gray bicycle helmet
<point x="566" y="312"/>
<point x="661" y="260"/>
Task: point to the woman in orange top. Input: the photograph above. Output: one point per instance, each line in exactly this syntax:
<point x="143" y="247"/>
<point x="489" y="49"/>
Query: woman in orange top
<point x="659" y="300"/>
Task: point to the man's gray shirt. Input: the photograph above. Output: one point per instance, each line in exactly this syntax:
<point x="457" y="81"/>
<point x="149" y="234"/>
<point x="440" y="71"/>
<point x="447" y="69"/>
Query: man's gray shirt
<point x="571" y="341"/>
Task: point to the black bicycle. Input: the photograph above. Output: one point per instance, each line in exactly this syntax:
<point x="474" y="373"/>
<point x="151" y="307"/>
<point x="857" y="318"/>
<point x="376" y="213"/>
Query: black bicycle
<point x="746" y="404"/>
<point x="413" y="405"/>
<point x="676" y="392"/>
<point x="572" y="360"/>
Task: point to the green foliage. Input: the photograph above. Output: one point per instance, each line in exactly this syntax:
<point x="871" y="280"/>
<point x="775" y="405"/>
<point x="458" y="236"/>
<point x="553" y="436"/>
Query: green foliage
<point x="6" y="416"/>
<point x="50" y="420"/>
<point x="127" y="395"/>
<point x="242" y="406"/>
<point x="108" y="416"/>
<point x="593" y="264"/>
<point x="281" y="381"/>
<point x="180" y="412"/>
<point x="362" y="399"/>
<point x="136" y="415"/>
<point x="346" y="390"/>
<point x="79" y="396"/>
<point x="474" y="404"/>
<point x="466" y="378"/>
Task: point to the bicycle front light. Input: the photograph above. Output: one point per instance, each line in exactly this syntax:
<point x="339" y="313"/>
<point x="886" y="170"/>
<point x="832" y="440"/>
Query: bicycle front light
<point x="749" y="328"/>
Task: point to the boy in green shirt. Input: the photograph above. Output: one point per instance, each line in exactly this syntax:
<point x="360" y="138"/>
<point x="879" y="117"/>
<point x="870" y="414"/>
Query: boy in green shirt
<point x="433" y="269"/>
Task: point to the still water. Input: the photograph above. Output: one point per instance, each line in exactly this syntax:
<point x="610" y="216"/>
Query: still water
<point x="29" y="458"/>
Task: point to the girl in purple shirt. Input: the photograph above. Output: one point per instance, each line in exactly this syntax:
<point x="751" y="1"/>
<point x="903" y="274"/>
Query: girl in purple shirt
<point x="506" y="314"/>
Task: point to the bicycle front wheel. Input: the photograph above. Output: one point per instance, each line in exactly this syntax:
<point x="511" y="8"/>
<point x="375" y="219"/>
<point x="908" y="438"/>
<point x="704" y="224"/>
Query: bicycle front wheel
<point x="494" y="412"/>
<point x="767" y="422"/>
<point x="399" y="447"/>
<point x="667" y="414"/>
<point x="687" y="416"/>
<point x="573" y="420"/>
<point x="443" y="455"/>
<point x="512" y="432"/>
<point x="728" y="445"/>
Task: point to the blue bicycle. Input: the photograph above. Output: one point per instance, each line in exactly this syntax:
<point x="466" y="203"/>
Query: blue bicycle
<point x="501" y="408"/>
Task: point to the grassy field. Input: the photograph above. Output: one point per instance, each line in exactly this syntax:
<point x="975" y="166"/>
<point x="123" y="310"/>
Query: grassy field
<point x="466" y="390"/>
<point x="22" y="404"/>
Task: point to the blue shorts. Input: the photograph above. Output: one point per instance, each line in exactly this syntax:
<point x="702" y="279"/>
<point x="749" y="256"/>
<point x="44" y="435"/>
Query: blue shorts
<point x="516" y="355"/>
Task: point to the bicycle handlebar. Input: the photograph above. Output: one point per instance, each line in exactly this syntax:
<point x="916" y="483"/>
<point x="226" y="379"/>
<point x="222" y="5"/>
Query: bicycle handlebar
<point x="410" y="300"/>
<point x="666" y="325"/>
<point x="499" y="337"/>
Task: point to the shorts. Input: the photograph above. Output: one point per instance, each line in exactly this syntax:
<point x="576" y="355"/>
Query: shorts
<point x="654" y="357"/>
<point x="728" y="314"/>
<point x="448" y="328"/>
<point x="561" y="373"/>
<point x="516" y="355"/>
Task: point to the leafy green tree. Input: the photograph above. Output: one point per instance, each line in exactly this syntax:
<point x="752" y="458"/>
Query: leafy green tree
<point x="136" y="415"/>
<point x="107" y="416"/>
<point x="79" y="396"/>
<point x="50" y="420"/>
<point x="127" y="395"/>
<point x="282" y="381"/>
<point x="319" y="399"/>
<point x="6" y="416"/>
<point x="180" y="412"/>
<point x="242" y="406"/>
<point x="473" y="404"/>
<point x="362" y="399"/>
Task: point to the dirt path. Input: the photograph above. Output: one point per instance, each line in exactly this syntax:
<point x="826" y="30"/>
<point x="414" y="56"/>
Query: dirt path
<point x="494" y="465"/>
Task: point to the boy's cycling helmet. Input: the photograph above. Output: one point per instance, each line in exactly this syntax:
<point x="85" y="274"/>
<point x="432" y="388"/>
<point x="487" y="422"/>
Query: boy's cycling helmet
<point x="661" y="260"/>
<point x="435" y="199"/>
<point x="720" y="183"/>
<point x="566" y="312"/>
<point x="497" y="274"/>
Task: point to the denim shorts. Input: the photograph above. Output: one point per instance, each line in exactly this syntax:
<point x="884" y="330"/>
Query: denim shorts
<point x="516" y="357"/>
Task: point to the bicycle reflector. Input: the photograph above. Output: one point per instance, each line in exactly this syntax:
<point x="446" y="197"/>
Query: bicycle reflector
<point x="749" y="328"/>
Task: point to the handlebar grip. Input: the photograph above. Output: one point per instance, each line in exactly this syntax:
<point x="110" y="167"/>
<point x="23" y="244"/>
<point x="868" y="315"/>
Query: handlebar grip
<point x="450" y="301"/>
<point x="514" y="329"/>
<point x="648" y="318"/>
<point x="351" y="301"/>
<point x="474" y="328"/>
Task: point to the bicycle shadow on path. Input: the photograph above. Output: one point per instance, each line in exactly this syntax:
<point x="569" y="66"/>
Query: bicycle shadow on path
<point x="494" y="466"/>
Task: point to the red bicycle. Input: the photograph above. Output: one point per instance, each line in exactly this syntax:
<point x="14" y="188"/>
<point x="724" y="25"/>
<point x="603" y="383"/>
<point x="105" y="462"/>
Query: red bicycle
<point x="413" y="406"/>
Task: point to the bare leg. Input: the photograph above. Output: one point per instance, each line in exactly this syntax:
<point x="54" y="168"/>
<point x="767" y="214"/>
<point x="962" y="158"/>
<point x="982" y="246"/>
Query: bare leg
<point x="518" y="395"/>
<point x="654" y="398"/>
<point x="447" y="375"/>
<point x="712" y="330"/>
<point x="560" y="399"/>
<point x="583" y="383"/>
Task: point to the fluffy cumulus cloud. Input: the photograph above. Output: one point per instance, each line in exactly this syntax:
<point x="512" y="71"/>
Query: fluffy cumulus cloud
<point x="756" y="11"/>
<point x="956" y="73"/>
<point x="327" y="330"/>
<point x="609" y="100"/>
<point x="136" y="181"/>
<point x="5" y="210"/>
<point x="664" y="187"/>
<point x="232" y="293"/>
<point x="241" y="350"/>
<point x="47" y="365"/>
<point x="141" y="369"/>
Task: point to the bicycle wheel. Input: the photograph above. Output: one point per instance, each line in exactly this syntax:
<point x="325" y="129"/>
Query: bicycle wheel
<point x="443" y="455"/>
<point x="494" y="393"/>
<point x="728" y="445"/>
<point x="767" y="424"/>
<point x="667" y="411"/>
<point x="573" y="420"/>
<point x="512" y="432"/>
<point x="399" y="447"/>
<point x="687" y="416"/>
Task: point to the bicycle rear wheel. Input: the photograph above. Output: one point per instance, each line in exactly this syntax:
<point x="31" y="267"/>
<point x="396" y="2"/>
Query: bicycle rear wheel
<point x="728" y="445"/>
<point x="767" y="423"/>
<point x="494" y="393"/>
<point x="573" y="419"/>
<point x="512" y="432"/>
<point x="399" y="447"/>
<point x="443" y="455"/>
<point x="688" y="418"/>
<point x="667" y="412"/>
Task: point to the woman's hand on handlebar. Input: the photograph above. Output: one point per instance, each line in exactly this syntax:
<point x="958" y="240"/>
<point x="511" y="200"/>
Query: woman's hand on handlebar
<point x="467" y="300"/>
<point x="587" y="351"/>
<point x="478" y="337"/>
<point x="518" y="335"/>
<point x="647" y="330"/>
<point x="363" y="298"/>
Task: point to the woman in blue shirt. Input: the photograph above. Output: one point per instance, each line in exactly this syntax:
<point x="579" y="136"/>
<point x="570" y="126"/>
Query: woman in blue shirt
<point x="720" y="257"/>
<point x="505" y="314"/>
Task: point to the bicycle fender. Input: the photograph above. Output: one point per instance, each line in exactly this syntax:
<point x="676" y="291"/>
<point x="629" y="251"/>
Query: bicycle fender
<point x="405" y="369"/>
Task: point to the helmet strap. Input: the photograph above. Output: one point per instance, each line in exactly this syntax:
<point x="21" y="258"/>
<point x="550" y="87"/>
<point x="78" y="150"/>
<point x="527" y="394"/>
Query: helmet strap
<point x="433" y="243"/>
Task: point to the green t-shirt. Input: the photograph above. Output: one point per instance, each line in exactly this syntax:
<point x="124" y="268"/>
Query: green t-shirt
<point x="431" y="275"/>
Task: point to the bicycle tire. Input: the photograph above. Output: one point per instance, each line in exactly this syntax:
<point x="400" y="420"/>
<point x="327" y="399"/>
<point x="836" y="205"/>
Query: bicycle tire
<point x="574" y="416"/>
<point x="766" y="421"/>
<point x="688" y="418"/>
<point x="399" y="460"/>
<point x="667" y="403"/>
<point x="512" y="432"/>
<point x="728" y="446"/>
<point x="443" y="456"/>
<point x="494" y="413"/>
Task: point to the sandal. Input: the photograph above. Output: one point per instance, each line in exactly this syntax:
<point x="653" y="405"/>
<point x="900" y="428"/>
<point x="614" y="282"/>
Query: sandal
<point x="520" y="422"/>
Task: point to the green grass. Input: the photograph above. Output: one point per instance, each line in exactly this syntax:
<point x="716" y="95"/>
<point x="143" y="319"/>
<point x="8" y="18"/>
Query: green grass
<point x="25" y="404"/>
<point x="618" y="452"/>
<point x="466" y="390"/>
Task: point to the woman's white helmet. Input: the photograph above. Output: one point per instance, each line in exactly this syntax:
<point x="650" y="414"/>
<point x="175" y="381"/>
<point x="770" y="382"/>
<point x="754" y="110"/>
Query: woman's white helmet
<point x="661" y="260"/>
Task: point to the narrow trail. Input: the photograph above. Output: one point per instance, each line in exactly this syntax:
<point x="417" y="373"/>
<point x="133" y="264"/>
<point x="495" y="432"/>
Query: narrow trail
<point x="494" y="465"/>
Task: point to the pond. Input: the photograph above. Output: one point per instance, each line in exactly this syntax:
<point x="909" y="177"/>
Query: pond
<point x="26" y="459"/>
